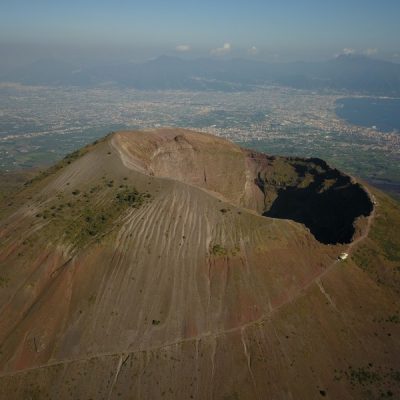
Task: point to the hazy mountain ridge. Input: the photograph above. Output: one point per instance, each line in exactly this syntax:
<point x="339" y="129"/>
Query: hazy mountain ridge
<point x="353" y="73"/>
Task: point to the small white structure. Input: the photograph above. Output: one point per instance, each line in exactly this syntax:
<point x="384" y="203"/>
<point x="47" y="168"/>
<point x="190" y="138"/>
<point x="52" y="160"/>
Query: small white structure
<point x="343" y="256"/>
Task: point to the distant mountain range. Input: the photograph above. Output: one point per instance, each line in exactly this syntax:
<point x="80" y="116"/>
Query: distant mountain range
<point x="353" y="73"/>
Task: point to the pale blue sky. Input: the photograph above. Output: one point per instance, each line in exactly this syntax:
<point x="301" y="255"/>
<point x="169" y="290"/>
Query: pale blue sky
<point x="265" y="29"/>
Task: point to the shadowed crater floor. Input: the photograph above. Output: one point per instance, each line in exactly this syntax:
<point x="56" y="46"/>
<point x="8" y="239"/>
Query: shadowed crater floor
<point x="325" y="200"/>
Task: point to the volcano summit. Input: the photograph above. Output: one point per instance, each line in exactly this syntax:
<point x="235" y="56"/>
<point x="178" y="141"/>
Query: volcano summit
<point x="171" y="264"/>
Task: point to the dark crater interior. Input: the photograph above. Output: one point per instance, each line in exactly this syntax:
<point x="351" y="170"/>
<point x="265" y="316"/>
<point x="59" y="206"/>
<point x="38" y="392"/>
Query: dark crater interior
<point x="323" y="199"/>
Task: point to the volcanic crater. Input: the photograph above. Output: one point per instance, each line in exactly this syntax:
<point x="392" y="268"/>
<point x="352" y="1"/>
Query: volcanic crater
<point x="305" y="190"/>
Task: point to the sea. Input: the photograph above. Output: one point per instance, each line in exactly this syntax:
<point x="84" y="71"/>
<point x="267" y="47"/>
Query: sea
<point x="382" y="114"/>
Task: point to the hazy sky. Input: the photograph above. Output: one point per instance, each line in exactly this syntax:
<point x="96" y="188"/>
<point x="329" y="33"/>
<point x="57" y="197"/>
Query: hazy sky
<point x="266" y="29"/>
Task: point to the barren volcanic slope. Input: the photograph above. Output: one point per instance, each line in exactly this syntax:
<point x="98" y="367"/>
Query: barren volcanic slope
<point x="171" y="264"/>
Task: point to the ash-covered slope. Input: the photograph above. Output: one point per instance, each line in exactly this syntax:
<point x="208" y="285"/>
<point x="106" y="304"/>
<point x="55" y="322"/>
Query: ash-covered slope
<point x="146" y="266"/>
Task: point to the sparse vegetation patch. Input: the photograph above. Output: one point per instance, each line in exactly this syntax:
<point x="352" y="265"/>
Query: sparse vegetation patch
<point x="4" y="282"/>
<point x="89" y="215"/>
<point x="380" y="381"/>
<point x="218" y="250"/>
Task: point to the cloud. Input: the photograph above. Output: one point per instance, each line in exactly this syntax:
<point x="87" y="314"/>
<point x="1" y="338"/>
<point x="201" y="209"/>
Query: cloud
<point x="220" y="51"/>
<point x="370" y="52"/>
<point x="347" y="51"/>
<point x="182" y="48"/>
<point x="253" y="50"/>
